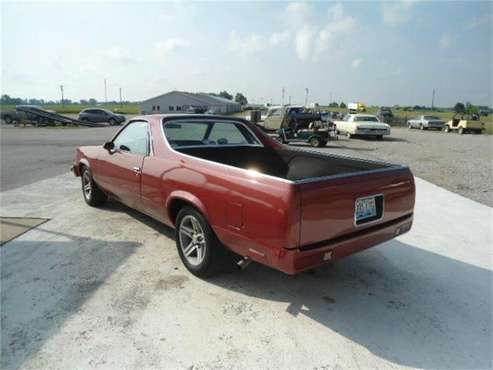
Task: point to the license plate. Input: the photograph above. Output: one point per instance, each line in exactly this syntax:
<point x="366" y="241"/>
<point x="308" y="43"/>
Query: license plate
<point x="365" y="208"/>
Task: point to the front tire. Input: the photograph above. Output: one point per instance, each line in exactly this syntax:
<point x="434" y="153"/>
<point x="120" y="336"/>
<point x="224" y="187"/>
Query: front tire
<point x="461" y="130"/>
<point x="421" y="127"/>
<point x="446" y="129"/>
<point x="112" y="122"/>
<point x="91" y="192"/>
<point x="199" y="249"/>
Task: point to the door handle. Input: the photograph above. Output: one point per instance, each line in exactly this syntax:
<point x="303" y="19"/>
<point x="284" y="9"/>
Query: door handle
<point x="137" y="170"/>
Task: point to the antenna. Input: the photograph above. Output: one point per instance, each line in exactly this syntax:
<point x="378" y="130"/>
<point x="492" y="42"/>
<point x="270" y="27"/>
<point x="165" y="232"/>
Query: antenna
<point x="433" y="100"/>
<point x="306" y="96"/>
<point x="105" y="95"/>
<point x="283" y="96"/>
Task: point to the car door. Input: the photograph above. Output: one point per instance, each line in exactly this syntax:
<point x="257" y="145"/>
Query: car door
<point x="120" y="169"/>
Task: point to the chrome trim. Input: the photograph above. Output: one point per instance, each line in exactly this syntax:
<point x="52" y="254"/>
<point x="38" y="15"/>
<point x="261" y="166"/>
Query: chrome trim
<point x="216" y="146"/>
<point x="373" y="221"/>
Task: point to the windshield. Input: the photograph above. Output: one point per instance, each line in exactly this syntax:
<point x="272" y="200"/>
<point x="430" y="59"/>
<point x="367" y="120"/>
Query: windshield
<point x="209" y="133"/>
<point x="365" y="119"/>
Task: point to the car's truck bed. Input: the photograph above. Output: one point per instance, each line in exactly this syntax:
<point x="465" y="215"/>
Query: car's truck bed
<point x="322" y="209"/>
<point x="289" y="164"/>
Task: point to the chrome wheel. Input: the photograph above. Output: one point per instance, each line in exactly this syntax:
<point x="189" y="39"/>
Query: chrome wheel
<point x="192" y="240"/>
<point x="86" y="185"/>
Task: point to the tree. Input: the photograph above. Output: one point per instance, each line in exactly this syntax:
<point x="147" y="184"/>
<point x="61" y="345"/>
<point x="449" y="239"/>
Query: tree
<point x="241" y="99"/>
<point x="224" y="94"/>
<point x="333" y="105"/>
<point x="459" y="108"/>
<point x="93" y="101"/>
<point x="471" y="109"/>
<point x="342" y="105"/>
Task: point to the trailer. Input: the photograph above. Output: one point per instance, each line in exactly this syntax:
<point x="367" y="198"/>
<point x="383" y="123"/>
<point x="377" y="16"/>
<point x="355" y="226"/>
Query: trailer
<point x="40" y="116"/>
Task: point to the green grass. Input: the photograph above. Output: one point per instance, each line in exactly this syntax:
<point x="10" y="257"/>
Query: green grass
<point x="130" y="108"/>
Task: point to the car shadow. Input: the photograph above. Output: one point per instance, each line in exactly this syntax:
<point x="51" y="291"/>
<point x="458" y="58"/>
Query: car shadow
<point x="114" y="206"/>
<point x="44" y="282"/>
<point x="402" y="303"/>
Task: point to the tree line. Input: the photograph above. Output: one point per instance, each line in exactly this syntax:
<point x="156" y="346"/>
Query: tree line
<point x="7" y="100"/>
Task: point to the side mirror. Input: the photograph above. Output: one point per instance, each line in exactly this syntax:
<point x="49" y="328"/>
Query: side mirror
<point x="109" y="145"/>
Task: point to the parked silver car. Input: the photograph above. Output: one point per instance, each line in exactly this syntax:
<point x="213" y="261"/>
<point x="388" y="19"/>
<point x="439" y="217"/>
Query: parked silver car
<point x="426" y="122"/>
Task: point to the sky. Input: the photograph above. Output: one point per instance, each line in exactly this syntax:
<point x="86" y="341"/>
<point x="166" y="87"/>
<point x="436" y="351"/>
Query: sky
<point x="379" y="53"/>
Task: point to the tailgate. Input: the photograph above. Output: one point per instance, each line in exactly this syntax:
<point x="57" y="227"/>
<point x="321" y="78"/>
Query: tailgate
<point x="328" y="205"/>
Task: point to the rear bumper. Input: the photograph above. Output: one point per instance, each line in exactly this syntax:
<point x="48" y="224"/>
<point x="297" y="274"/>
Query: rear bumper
<point x="293" y="261"/>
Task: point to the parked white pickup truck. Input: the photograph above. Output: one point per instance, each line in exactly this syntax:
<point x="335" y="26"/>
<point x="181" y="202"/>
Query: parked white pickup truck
<point x="362" y="125"/>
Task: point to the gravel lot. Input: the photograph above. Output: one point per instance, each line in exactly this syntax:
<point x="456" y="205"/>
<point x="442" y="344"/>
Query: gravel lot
<point x="462" y="164"/>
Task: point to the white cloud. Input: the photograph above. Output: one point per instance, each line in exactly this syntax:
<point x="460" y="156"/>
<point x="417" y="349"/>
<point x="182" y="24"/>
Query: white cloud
<point x="356" y="63"/>
<point x="304" y="42"/>
<point x="339" y="26"/>
<point x="249" y="44"/>
<point x="279" y="38"/>
<point x="120" y="55"/>
<point x="481" y="20"/>
<point x="395" y="13"/>
<point x="445" y="41"/>
<point x="299" y="9"/>
<point x="163" y="49"/>
<point x="336" y="11"/>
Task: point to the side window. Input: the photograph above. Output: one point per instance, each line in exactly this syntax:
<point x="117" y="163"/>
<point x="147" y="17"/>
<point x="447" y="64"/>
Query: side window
<point x="178" y="107"/>
<point x="171" y="108"/>
<point x="226" y="133"/>
<point x="133" y="139"/>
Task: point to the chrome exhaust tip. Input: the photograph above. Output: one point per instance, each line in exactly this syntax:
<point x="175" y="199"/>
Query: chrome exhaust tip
<point x="243" y="263"/>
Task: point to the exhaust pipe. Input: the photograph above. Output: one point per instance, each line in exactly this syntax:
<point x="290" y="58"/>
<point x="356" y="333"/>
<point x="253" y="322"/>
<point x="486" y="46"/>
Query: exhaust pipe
<point x="243" y="263"/>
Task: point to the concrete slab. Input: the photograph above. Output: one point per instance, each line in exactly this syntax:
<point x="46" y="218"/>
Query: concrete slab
<point x="105" y="288"/>
<point x="12" y="227"/>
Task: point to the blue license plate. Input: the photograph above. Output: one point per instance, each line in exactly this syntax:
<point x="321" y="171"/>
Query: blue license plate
<point x="365" y="208"/>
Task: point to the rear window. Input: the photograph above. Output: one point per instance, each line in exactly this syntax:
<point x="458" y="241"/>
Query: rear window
<point x="182" y="134"/>
<point x="365" y="119"/>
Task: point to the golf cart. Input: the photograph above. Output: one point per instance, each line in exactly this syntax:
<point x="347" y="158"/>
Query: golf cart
<point x="293" y="124"/>
<point x="463" y="123"/>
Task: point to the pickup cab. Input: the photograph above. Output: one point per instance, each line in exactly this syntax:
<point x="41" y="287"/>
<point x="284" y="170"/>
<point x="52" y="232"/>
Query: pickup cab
<point x="228" y="189"/>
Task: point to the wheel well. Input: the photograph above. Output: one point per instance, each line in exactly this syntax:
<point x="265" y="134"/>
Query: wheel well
<point x="176" y="205"/>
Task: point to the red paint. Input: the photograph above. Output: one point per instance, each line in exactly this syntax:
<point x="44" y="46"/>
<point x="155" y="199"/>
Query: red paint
<point x="266" y="218"/>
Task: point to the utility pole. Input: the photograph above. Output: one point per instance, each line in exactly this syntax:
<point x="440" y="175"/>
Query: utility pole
<point x="283" y="96"/>
<point x="433" y="100"/>
<point x="61" y="90"/>
<point x="105" y="94"/>
<point x="289" y="100"/>
<point x="121" y="103"/>
<point x="306" y="96"/>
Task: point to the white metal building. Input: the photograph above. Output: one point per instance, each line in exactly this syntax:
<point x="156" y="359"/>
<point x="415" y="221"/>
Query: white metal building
<point x="180" y="102"/>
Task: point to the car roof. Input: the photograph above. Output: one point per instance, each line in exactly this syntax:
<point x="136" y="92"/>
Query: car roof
<point x="172" y="116"/>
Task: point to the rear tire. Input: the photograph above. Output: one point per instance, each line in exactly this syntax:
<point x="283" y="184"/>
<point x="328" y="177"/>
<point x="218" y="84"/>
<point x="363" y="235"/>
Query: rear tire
<point x="461" y="130"/>
<point x="112" y="122"/>
<point x="446" y="129"/>
<point x="91" y="192"/>
<point x="421" y="127"/>
<point x="8" y="120"/>
<point x="315" y="142"/>
<point x="199" y="249"/>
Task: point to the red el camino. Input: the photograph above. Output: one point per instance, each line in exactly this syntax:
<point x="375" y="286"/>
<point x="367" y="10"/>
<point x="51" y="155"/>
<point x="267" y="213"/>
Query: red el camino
<point x="227" y="187"/>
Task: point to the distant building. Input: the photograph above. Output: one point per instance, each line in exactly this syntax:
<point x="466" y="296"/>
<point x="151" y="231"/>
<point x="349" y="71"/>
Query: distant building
<point x="183" y="102"/>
